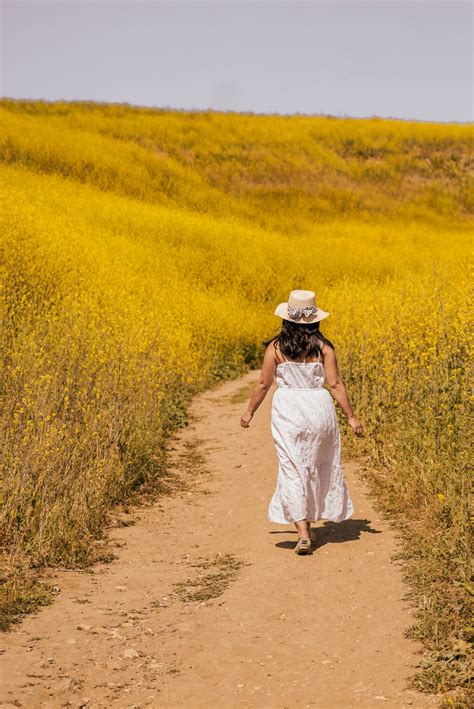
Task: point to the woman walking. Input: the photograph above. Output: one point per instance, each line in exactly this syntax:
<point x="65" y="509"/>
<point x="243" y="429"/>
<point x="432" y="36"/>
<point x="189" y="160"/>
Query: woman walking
<point x="310" y="483"/>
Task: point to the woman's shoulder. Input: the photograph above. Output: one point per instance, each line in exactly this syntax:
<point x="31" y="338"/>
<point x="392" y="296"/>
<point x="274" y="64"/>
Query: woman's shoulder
<point x="274" y="347"/>
<point x="325" y="348"/>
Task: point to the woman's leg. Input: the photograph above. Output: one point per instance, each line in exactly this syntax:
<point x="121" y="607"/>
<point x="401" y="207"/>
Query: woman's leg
<point x="302" y="528"/>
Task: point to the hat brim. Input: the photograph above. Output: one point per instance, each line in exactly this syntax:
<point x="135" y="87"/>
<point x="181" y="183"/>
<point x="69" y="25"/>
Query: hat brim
<point x="282" y="312"/>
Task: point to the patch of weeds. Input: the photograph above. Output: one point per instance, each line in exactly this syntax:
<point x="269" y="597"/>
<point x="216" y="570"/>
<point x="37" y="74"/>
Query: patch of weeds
<point x="452" y="701"/>
<point x="123" y="521"/>
<point x="183" y="463"/>
<point x="450" y="666"/>
<point x="221" y="571"/>
<point x="106" y="557"/>
<point x="19" y="596"/>
<point x="238" y="397"/>
<point x="436" y="567"/>
<point x="190" y="465"/>
<point x="192" y="454"/>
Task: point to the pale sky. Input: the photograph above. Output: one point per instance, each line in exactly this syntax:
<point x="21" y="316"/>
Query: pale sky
<point x="403" y="59"/>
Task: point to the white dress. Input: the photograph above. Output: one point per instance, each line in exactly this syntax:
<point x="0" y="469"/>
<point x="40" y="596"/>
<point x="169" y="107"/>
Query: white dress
<point x="310" y="483"/>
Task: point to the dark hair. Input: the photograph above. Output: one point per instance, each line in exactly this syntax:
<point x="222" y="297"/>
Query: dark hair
<point x="296" y="338"/>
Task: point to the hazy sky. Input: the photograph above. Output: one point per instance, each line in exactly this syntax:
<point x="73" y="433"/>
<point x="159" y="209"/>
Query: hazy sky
<point x="405" y="59"/>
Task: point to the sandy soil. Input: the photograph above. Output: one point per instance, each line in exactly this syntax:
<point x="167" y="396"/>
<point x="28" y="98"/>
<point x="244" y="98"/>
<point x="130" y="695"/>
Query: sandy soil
<point x="319" y="631"/>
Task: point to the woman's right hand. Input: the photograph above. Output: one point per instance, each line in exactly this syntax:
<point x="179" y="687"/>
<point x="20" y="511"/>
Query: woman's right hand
<point x="355" y="424"/>
<point x="245" y="419"/>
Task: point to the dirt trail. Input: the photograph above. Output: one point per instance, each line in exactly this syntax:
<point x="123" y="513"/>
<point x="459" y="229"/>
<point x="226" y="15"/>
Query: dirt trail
<point x="319" y="631"/>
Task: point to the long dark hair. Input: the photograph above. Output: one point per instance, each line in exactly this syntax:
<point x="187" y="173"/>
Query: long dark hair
<point x="296" y="338"/>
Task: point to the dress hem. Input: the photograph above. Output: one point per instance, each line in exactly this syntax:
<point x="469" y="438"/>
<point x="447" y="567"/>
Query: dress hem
<point x="326" y="519"/>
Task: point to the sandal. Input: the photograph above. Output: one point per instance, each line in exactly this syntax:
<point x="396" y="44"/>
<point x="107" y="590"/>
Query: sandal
<point x="303" y="546"/>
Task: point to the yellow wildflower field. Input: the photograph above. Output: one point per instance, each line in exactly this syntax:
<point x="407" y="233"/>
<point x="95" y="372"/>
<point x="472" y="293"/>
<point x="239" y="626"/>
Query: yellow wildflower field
<point x="143" y="253"/>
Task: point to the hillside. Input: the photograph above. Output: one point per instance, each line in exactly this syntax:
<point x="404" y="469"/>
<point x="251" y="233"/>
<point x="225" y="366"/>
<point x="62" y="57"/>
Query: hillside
<point x="280" y="172"/>
<point x="143" y="252"/>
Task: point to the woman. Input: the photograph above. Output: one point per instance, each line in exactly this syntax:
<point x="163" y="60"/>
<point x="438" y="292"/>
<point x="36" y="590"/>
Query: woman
<point x="310" y="483"/>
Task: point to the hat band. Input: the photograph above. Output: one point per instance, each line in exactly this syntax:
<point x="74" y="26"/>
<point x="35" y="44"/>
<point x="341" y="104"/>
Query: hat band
<point x="297" y="313"/>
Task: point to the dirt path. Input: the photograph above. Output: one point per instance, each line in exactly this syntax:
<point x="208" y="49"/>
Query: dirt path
<point x="288" y="631"/>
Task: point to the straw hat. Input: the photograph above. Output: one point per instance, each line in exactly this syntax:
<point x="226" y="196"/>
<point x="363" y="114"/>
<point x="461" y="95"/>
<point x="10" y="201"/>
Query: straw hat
<point x="301" y="308"/>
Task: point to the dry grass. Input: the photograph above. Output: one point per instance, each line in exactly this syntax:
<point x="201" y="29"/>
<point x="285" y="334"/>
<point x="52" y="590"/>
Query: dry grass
<point x="238" y="397"/>
<point x="20" y="596"/>
<point x="437" y="566"/>
<point x="221" y="571"/>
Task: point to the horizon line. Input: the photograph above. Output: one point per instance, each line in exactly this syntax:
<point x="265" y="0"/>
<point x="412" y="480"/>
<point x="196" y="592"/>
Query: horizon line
<point x="232" y="111"/>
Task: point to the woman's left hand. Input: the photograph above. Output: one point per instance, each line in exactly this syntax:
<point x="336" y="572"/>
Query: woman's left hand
<point x="245" y="419"/>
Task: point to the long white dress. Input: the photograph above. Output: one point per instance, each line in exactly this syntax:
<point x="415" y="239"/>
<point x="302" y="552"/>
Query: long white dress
<point x="310" y="483"/>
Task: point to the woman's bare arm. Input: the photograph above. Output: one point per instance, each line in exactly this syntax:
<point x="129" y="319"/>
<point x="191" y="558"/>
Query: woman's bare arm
<point x="338" y="388"/>
<point x="262" y="386"/>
